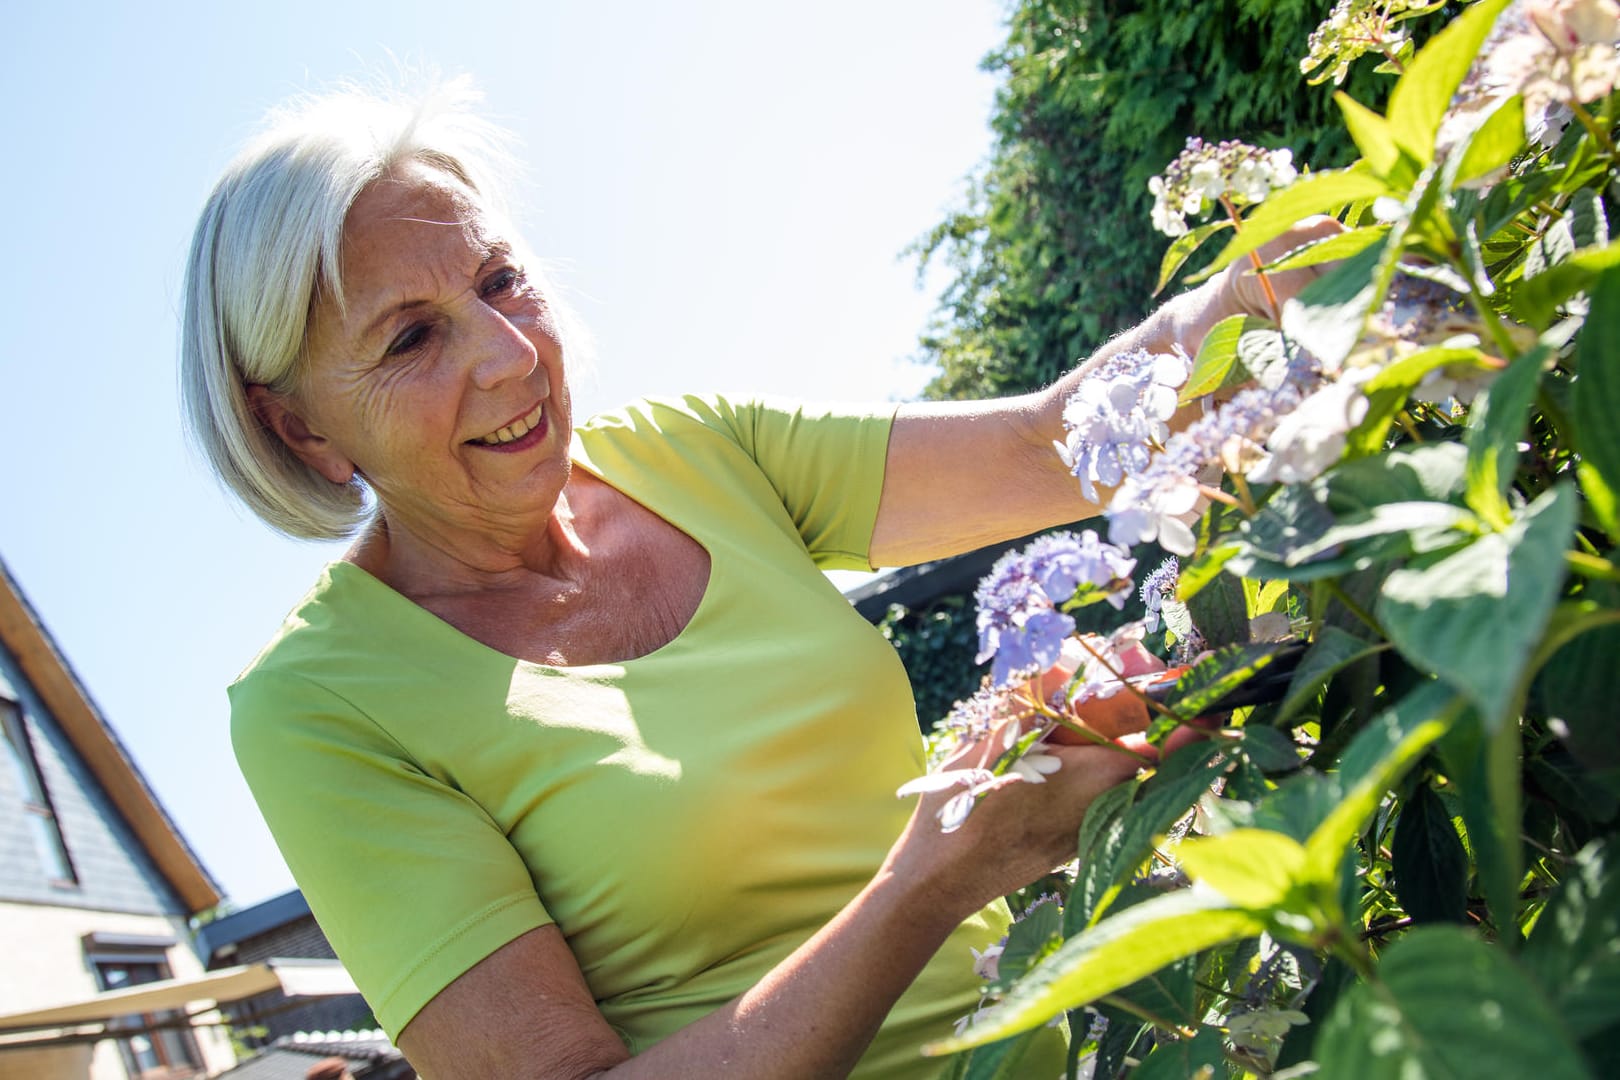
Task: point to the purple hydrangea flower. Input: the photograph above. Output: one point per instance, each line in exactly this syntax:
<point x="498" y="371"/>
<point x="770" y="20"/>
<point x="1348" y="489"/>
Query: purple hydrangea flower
<point x="1018" y="621"/>
<point x="1062" y="562"/>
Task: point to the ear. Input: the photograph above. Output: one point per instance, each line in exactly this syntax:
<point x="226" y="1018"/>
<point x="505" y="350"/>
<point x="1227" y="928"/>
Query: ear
<point x="276" y="412"/>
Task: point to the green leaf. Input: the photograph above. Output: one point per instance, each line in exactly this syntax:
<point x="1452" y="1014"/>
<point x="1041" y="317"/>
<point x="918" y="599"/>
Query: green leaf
<point x="1596" y="391"/>
<point x="1268" y="749"/>
<point x="1253" y="868"/>
<point x="1435" y="472"/>
<point x="1203" y="570"/>
<point x="1496" y="423"/>
<point x="1202" y="686"/>
<point x="1484" y="768"/>
<point x="1182" y="779"/>
<point x="1446" y="1005"/>
<point x="1388" y="390"/>
<point x="1028" y="940"/>
<point x="1113" y="954"/>
<point x="1322" y="192"/>
<point x="1569" y="685"/>
<point x="1416" y="527"/>
<point x="1430" y="865"/>
<point x="1371" y="134"/>
<point x="1170" y="993"/>
<point x="1574" y="952"/>
<point x="1101" y="834"/>
<point x="1182" y="249"/>
<point x="1369" y="767"/>
<point x="1220" y="613"/>
<point x="1001" y="1060"/>
<point x="1577" y="790"/>
<point x="1331" y="652"/>
<point x="1603" y="500"/>
<point x="1340" y="245"/>
<point x="1199" y="1058"/>
<point x="1494" y="143"/>
<point x="1215" y="367"/>
<point x="1536" y="299"/>
<point x="1420" y="97"/>
<point x="1124" y="1031"/>
<point x="1298" y="805"/>
<point x="1288" y="533"/>
<point x="1327" y="316"/>
<point x="1473" y="616"/>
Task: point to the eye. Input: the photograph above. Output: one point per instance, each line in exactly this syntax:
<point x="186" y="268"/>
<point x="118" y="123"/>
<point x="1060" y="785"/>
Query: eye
<point x="413" y="338"/>
<point x="502" y="282"/>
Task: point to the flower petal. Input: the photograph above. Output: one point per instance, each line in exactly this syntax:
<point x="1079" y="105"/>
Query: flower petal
<point x="944" y="781"/>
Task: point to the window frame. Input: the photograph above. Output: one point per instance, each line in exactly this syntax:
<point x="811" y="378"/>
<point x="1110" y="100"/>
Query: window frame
<point x="173" y="1046"/>
<point x="50" y="844"/>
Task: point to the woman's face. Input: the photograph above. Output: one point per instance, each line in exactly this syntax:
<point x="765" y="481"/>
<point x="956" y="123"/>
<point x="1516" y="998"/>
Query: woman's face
<point x="442" y="380"/>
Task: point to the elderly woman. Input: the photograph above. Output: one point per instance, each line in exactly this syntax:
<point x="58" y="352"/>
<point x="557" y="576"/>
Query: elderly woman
<point x="582" y="764"/>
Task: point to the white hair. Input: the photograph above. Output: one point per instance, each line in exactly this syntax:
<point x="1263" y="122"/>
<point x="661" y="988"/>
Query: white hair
<point x="268" y="242"/>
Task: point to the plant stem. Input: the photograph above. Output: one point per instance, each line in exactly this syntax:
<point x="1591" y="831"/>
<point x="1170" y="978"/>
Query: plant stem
<point x="1337" y="592"/>
<point x="1384" y="928"/>
<point x="1592" y="566"/>
<point x="1254" y="260"/>
<point x="1214" y="494"/>
<point x="1245" y="498"/>
<point x="1593" y="128"/>
<point x="1153" y="706"/>
<point x="1355" y="954"/>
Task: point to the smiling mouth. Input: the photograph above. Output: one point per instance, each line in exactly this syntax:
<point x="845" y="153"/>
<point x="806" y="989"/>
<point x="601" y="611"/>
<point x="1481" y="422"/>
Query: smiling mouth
<point x="511" y="432"/>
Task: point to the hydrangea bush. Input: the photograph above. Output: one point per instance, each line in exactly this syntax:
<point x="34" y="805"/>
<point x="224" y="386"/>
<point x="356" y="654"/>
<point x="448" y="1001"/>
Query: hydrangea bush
<point x="1395" y="525"/>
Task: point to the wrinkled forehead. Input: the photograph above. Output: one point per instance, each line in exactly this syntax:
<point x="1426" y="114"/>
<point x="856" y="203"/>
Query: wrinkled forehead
<point x="406" y="237"/>
<point x="410" y="203"/>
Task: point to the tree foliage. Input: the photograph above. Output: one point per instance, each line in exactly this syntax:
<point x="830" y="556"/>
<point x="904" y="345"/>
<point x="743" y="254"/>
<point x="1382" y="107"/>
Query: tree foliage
<point x="1052" y="254"/>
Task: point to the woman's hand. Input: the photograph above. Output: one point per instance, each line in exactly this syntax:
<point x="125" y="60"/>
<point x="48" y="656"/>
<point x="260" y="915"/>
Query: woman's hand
<point x="961" y="475"/>
<point x="1240" y="290"/>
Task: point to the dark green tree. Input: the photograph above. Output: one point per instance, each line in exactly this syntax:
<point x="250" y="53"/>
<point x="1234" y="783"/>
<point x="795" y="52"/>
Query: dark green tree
<point x="1053" y="253"/>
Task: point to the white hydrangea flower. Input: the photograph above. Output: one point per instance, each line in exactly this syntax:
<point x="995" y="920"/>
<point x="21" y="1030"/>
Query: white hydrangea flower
<point x="1310" y="440"/>
<point x="1204" y="174"/>
<point x="1557" y="53"/>
<point x="1158" y="507"/>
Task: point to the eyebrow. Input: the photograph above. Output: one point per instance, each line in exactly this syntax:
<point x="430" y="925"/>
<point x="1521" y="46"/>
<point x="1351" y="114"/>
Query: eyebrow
<point x="492" y="250"/>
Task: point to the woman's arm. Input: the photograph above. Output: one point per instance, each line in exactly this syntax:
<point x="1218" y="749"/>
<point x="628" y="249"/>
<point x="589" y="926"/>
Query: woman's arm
<point x="525" y="1011"/>
<point x="963" y="474"/>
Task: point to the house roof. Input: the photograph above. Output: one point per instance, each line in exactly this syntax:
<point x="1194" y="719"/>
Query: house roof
<point x="81" y="721"/>
<point x="238" y="926"/>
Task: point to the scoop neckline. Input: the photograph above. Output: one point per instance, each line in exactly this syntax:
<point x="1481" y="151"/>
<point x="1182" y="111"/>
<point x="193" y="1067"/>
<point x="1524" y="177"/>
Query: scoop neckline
<point x="699" y="613"/>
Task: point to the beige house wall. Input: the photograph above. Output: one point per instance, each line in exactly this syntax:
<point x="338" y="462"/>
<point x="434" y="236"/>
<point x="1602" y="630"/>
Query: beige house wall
<point x="44" y="964"/>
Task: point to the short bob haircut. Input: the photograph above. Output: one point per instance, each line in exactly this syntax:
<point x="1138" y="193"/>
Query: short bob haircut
<point x="267" y="243"/>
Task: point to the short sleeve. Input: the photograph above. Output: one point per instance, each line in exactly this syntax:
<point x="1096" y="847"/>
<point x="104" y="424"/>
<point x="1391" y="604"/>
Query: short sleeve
<point x="826" y="463"/>
<point x="410" y="880"/>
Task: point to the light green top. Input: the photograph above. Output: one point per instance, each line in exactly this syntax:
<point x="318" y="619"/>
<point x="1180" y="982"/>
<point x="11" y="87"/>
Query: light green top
<point x="686" y="818"/>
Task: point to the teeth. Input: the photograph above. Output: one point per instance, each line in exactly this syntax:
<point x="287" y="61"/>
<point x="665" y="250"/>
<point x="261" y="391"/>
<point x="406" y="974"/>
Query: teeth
<point x="513" y="431"/>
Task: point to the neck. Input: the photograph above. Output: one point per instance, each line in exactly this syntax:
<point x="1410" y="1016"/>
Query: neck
<point x="425" y="563"/>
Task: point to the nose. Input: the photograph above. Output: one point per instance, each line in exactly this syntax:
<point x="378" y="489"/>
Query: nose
<point x="501" y="350"/>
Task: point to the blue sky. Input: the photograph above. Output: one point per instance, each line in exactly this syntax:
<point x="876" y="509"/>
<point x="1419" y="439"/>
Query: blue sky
<point x="727" y="187"/>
